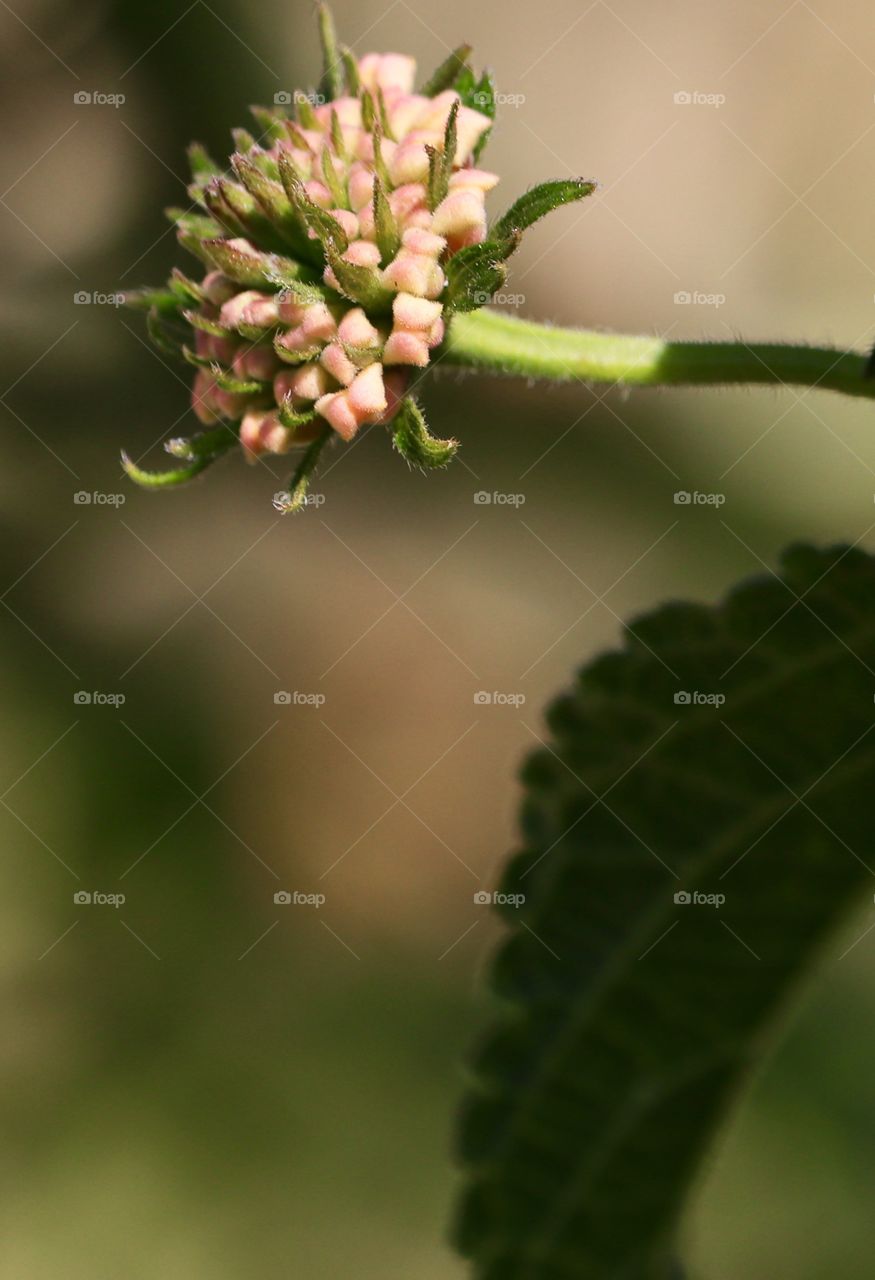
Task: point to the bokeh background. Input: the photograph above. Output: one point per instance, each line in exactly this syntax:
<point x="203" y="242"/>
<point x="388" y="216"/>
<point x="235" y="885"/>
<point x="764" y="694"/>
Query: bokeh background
<point x="199" y="1082"/>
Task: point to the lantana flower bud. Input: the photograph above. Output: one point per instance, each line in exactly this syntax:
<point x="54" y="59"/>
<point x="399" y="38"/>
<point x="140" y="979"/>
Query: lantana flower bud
<point x="336" y="251"/>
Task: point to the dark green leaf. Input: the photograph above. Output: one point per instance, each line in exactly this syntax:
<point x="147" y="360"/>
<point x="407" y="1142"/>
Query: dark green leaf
<point x="630" y="1016"/>
<point x="474" y="273"/>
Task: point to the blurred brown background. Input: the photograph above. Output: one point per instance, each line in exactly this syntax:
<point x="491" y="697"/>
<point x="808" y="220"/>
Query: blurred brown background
<point x="203" y="1082"/>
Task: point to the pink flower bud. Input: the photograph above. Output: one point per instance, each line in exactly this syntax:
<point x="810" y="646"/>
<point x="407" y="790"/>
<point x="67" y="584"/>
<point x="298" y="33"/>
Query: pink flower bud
<point x="410" y="161"/>
<point x="460" y="213"/>
<point x="218" y="288"/>
<point x="418" y="241"/>
<point x="364" y="253"/>
<point x="477" y="179"/>
<point x="347" y="220"/>
<point x="360" y="187"/>
<point x="336" y="410"/>
<point x="250" y="307"/>
<point x="262" y="432"/>
<point x="258" y="362"/>
<point x="356" y="330"/>
<point x="406" y="348"/>
<point x="318" y="323"/>
<point x="307" y="382"/>
<point x="415" y="273"/>
<point x="412" y="313"/>
<point x="338" y="363"/>
<point x="394" y="73"/>
<point x="318" y="192"/>
<point x="367" y="395"/>
<point x="395" y="382"/>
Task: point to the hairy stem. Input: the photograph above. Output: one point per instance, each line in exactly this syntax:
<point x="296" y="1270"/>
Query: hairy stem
<point x="500" y="343"/>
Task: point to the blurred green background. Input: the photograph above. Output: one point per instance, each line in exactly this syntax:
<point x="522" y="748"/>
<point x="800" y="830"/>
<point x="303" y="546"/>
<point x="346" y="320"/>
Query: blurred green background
<point x="201" y="1082"/>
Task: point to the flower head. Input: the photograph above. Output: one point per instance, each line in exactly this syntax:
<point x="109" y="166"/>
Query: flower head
<point x="336" y="248"/>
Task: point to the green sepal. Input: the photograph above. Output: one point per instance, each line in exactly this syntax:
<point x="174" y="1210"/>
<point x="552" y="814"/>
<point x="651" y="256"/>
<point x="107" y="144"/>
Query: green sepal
<point x="237" y="386"/>
<point x="178" y="475"/>
<point x="186" y="290"/>
<point x="475" y="272"/>
<point x="163" y="300"/>
<point x="293" y="498"/>
<point x="484" y="102"/>
<point x="199" y="321"/>
<point x="412" y="439"/>
<point x="271" y="123"/>
<point x="291" y="418"/>
<point x="165" y="339"/>
<point x="206" y="444"/>
<point x="537" y="202"/>
<point x="331" y="84"/>
<point x="272" y="200"/>
<point x="220" y="201"/>
<point x="387" y="229"/>
<point x="192" y="357"/>
<point x="306" y="114"/>
<point x="327" y="229"/>
<point x="440" y="163"/>
<point x="448" y="72"/>
<point x="351" y="72"/>
<point x="263" y="270"/>
<point x="244" y="141"/>
<point x="332" y="181"/>
<point x="337" y="138"/>
<point x="295" y="357"/>
<point x="360" y="284"/>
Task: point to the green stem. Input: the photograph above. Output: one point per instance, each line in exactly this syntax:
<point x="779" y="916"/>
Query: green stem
<point x="500" y="343"/>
